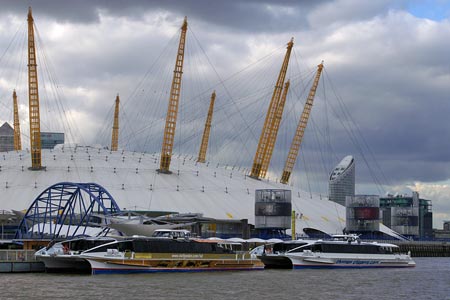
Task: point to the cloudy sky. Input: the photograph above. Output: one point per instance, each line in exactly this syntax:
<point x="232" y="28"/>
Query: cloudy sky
<point x="383" y="98"/>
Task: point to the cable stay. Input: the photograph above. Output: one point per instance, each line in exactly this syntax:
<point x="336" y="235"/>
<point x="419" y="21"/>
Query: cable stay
<point x="238" y="112"/>
<point x="320" y="156"/>
<point x="354" y="133"/>
<point x="147" y="125"/>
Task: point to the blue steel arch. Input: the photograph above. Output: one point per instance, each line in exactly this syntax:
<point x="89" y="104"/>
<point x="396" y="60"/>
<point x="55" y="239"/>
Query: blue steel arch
<point x="65" y="210"/>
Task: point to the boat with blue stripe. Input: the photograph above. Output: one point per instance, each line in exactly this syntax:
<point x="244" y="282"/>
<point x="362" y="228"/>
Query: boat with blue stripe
<point x="342" y="251"/>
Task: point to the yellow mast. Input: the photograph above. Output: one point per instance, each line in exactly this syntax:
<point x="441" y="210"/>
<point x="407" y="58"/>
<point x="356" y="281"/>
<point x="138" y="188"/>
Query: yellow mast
<point x="33" y="97"/>
<point x="206" y="131"/>
<point x="293" y="221"/>
<point x="115" y="131"/>
<point x="172" y="110"/>
<point x="17" y="141"/>
<point x="297" y="140"/>
<point x="261" y="151"/>
<point x="274" y="132"/>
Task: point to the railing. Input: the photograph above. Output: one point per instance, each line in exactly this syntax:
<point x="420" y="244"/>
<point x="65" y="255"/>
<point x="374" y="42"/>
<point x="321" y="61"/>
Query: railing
<point x="17" y="255"/>
<point x="420" y="248"/>
<point x="5" y="235"/>
<point x="410" y="241"/>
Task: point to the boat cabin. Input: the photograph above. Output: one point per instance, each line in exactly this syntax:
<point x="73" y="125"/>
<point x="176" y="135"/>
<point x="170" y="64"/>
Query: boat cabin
<point x="160" y="245"/>
<point x="172" y="233"/>
<point x="340" y="247"/>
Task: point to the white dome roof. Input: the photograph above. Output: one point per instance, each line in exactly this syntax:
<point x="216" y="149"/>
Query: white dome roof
<point x="215" y="190"/>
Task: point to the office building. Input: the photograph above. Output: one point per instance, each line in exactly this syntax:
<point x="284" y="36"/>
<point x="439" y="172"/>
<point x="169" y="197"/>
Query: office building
<point x="408" y="215"/>
<point x="342" y="181"/>
<point x="50" y="139"/>
<point x="362" y="214"/>
<point x="6" y="138"/>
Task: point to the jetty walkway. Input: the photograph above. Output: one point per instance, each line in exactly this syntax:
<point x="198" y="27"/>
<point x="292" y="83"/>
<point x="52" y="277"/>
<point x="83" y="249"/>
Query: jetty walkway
<point x="19" y="261"/>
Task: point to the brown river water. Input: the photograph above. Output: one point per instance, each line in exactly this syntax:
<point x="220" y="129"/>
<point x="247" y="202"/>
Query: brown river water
<point x="430" y="279"/>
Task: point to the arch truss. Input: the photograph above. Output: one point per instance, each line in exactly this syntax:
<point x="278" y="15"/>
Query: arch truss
<point x="66" y="210"/>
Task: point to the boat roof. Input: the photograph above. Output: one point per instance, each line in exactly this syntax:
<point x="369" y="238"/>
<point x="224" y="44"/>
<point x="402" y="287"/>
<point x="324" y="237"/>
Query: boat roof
<point x="172" y="230"/>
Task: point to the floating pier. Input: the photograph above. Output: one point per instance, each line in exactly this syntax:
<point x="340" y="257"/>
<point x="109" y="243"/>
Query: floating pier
<point x="19" y="261"/>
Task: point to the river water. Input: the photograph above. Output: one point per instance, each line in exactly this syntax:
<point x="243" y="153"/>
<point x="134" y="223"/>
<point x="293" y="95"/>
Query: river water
<point x="430" y="279"/>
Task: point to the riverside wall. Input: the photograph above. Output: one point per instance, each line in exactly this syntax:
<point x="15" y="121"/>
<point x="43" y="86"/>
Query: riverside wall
<point x="424" y="248"/>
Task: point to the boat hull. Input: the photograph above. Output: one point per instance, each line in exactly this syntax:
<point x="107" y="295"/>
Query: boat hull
<point x="130" y="266"/>
<point x="65" y="263"/>
<point x="346" y="262"/>
<point x="273" y="261"/>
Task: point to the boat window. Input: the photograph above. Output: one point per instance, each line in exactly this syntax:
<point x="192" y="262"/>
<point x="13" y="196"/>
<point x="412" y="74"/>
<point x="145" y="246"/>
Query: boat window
<point x="118" y="246"/>
<point x="300" y="249"/>
<point x="350" y="248"/>
<point x="283" y="247"/>
<point x="344" y="248"/>
<point x="161" y="234"/>
<point x="258" y="250"/>
<point x="317" y="248"/>
<point x="100" y="242"/>
<point x="172" y="234"/>
<point x="125" y="246"/>
<point x="385" y="250"/>
<point x="84" y="244"/>
<point x="177" y="246"/>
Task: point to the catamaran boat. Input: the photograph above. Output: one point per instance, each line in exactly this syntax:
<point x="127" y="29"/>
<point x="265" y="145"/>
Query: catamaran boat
<point x="342" y="251"/>
<point x="162" y="254"/>
<point x="64" y="256"/>
<point x="136" y="224"/>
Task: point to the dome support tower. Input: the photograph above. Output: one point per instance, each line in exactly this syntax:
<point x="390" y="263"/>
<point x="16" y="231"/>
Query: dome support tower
<point x="33" y="97"/>
<point x="115" y="129"/>
<point x="17" y="140"/>
<point x="268" y="127"/>
<point x="273" y="134"/>
<point x="172" y="110"/>
<point x="207" y="130"/>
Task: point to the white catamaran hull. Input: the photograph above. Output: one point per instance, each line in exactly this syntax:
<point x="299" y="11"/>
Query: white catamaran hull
<point x="339" y="260"/>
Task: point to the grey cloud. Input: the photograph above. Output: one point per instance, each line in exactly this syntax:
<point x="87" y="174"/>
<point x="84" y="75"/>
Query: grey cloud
<point x="350" y="11"/>
<point x="248" y="16"/>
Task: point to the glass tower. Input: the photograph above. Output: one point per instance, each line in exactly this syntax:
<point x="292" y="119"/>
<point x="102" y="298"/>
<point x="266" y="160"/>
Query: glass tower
<point x="342" y="181"/>
<point x="6" y="138"/>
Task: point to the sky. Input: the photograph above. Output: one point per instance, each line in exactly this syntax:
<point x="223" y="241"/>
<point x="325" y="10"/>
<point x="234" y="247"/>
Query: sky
<point x="383" y="98"/>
